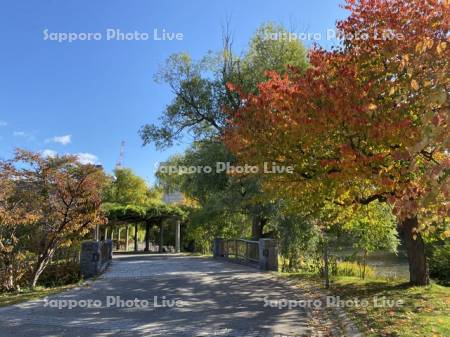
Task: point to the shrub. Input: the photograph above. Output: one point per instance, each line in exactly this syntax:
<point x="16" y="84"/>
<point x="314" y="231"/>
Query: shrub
<point x="60" y="274"/>
<point x="439" y="262"/>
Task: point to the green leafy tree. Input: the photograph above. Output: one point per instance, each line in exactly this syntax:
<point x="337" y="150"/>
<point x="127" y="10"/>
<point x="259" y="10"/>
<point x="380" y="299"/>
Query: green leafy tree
<point x="202" y="97"/>
<point x="126" y="188"/>
<point x="373" y="227"/>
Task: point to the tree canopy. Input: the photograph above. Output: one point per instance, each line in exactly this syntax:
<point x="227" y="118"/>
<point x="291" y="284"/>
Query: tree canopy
<point x="368" y="120"/>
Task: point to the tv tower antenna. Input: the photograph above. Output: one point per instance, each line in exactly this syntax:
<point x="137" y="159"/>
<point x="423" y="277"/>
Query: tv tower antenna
<point x="119" y="163"/>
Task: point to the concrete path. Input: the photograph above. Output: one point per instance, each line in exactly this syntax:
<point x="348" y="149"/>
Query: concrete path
<point x="162" y="295"/>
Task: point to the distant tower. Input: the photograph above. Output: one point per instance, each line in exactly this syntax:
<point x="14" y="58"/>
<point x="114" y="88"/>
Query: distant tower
<point x="121" y="155"/>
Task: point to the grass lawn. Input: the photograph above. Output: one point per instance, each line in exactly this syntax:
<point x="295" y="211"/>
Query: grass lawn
<point x="424" y="311"/>
<point x="30" y="294"/>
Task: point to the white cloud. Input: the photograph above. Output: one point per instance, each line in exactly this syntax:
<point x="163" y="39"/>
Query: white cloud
<point x="87" y="158"/>
<point x="64" y="140"/>
<point x="82" y="157"/>
<point x="49" y="153"/>
<point x="3" y="123"/>
<point x="29" y="136"/>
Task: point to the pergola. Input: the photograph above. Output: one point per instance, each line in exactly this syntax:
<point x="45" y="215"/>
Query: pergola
<point x="152" y="215"/>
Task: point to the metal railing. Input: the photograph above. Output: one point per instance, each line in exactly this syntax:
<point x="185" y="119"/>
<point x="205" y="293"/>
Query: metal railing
<point x="241" y="249"/>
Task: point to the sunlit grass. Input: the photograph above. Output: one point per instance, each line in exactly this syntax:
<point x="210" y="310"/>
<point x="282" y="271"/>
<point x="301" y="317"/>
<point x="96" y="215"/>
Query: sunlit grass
<point x="425" y="311"/>
<point x="27" y="294"/>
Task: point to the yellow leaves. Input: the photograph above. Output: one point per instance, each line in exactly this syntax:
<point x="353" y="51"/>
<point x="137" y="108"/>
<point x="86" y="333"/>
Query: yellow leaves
<point x="441" y="47"/>
<point x="422" y="46"/>
<point x="372" y="107"/>
<point x="404" y="61"/>
<point x="415" y="85"/>
<point x="446" y="234"/>
<point x="392" y="91"/>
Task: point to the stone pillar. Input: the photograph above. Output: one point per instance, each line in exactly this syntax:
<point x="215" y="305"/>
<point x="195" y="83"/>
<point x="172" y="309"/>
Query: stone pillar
<point x="95" y="256"/>
<point x="218" y="250"/>
<point x="177" y="236"/>
<point x="268" y="255"/>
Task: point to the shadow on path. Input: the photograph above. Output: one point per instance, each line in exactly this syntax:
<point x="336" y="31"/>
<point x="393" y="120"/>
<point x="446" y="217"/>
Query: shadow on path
<point x="177" y="296"/>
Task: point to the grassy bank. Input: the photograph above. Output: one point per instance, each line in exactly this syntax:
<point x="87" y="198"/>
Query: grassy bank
<point x="392" y="308"/>
<point x="423" y="311"/>
<point x="9" y="298"/>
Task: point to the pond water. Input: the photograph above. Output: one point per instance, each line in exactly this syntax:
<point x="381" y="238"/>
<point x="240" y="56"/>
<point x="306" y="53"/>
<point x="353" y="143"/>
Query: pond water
<point x="384" y="263"/>
<point x="389" y="265"/>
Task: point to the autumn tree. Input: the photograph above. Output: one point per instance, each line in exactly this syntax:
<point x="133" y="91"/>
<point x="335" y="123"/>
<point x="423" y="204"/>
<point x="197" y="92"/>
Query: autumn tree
<point x="367" y="122"/>
<point x="15" y="218"/>
<point x="59" y="198"/>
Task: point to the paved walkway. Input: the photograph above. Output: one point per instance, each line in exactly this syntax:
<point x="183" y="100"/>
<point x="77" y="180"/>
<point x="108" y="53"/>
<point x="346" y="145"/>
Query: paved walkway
<point x="176" y="296"/>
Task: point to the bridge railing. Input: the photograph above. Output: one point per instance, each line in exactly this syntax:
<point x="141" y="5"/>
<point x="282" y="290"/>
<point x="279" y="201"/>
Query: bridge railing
<point x="241" y="249"/>
<point x="262" y="252"/>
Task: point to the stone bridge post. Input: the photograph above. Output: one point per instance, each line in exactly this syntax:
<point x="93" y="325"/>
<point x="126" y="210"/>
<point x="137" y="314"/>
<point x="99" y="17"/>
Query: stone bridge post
<point x="268" y="254"/>
<point x="95" y="257"/>
<point x="218" y="249"/>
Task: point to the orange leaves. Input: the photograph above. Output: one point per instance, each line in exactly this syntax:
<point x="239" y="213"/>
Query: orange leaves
<point x="363" y="114"/>
<point x="415" y="85"/>
<point x="441" y="47"/>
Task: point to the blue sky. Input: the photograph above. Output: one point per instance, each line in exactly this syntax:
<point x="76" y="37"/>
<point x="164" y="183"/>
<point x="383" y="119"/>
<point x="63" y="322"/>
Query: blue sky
<point x="85" y="97"/>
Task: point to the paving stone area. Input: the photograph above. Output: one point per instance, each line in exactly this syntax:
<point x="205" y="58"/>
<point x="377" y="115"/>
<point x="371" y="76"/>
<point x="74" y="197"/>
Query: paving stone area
<point x="176" y="296"/>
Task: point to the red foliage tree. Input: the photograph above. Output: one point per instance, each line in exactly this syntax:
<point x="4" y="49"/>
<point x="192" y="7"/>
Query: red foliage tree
<point x="368" y="121"/>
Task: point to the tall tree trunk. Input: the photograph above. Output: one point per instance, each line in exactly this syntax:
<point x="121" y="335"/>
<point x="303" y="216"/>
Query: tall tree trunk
<point x="418" y="267"/>
<point x="41" y="264"/>
<point x="326" y="269"/>
<point x="364" y="265"/>
<point x="258" y="224"/>
<point x="136" y="237"/>
<point x="161" y="237"/>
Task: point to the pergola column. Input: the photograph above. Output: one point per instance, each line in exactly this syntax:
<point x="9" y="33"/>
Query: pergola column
<point x="127" y="233"/>
<point x="97" y="233"/>
<point x="118" y="238"/>
<point x="177" y="235"/>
